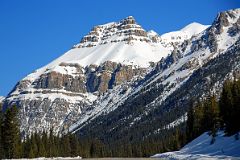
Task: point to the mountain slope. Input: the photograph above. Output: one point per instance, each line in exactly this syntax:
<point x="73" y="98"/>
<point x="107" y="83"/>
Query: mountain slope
<point x="200" y="148"/>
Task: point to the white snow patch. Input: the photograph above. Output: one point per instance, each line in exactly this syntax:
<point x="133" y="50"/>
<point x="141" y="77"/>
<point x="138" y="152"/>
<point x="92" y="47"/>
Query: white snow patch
<point x="200" y="148"/>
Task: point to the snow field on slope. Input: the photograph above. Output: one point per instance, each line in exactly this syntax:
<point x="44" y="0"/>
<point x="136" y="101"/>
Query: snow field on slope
<point x="185" y="33"/>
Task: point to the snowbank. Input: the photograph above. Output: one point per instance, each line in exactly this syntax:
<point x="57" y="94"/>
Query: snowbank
<point x="200" y="148"/>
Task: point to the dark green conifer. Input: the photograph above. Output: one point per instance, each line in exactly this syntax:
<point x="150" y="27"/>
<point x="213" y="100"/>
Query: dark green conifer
<point x="11" y="134"/>
<point x="1" y="136"/>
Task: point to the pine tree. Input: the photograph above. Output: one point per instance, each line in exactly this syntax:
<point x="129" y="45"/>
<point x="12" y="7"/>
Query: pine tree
<point x="33" y="144"/>
<point x="190" y="123"/>
<point x="11" y="134"/>
<point x="96" y="149"/>
<point x="26" y="147"/>
<point x="44" y="140"/>
<point x="31" y="153"/>
<point x="51" y="144"/>
<point x="195" y="122"/>
<point x="226" y="107"/>
<point x="236" y="107"/>
<point x="41" y="147"/>
<point x="1" y="136"/>
<point x="66" y="145"/>
<point x="74" y="145"/>
<point x="199" y="126"/>
<point x="214" y="113"/>
<point x="176" y="141"/>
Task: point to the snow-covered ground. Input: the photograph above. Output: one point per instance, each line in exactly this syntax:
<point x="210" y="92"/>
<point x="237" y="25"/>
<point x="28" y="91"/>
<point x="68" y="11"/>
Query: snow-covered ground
<point x="200" y="148"/>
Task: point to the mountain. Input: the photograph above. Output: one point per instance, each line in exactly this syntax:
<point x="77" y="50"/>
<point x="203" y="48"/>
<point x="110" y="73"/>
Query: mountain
<point x="57" y="94"/>
<point x="124" y="81"/>
<point x="158" y="102"/>
<point x="1" y="99"/>
<point x="200" y="148"/>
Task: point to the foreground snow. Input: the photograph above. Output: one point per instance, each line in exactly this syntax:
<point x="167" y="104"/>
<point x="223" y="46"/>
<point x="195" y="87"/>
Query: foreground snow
<point x="200" y="148"/>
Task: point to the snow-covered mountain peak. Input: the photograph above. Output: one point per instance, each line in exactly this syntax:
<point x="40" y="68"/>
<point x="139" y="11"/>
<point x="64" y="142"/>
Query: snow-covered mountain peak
<point x="152" y="33"/>
<point x="185" y="33"/>
<point x="225" y="19"/>
<point x="233" y="15"/>
<point x="128" y="20"/>
<point x="126" y="30"/>
<point x="123" y="42"/>
<point x="194" y="28"/>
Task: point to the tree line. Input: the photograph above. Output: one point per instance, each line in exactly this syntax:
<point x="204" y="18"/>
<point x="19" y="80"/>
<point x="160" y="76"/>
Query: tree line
<point x="44" y="144"/>
<point x="47" y="144"/>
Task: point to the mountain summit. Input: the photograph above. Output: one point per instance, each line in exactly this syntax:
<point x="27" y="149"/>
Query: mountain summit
<point x="126" y="30"/>
<point x="124" y="42"/>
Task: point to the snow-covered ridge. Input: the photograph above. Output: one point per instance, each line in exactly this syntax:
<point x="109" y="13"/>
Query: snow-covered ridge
<point x="1" y="99"/>
<point x="184" y="34"/>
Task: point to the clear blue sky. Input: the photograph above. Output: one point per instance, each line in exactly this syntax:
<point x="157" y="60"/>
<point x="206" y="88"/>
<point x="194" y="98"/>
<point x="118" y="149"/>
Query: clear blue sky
<point x="35" y="32"/>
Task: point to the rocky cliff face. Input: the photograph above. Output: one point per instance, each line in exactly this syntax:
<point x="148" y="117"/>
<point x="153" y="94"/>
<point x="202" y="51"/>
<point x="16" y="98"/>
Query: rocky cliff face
<point x="117" y="67"/>
<point x="57" y="100"/>
<point x="126" y="30"/>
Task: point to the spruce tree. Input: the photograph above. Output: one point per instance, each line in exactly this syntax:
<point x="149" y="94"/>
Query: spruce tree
<point x="26" y="147"/>
<point x="1" y="136"/>
<point x="52" y="148"/>
<point x="66" y="146"/>
<point x="11" y="134"/>
<point x="96" y="149"/>
<point x="198" y="127"/>
<point x="44" y="140"/>
<point x="226" y="107"/>
<point x="236" y="107"/>
<point x="190" y="123"/>
<point x="41" y="149"/>
<point x="176" y="141"/>
<point x="74" y="145"/>
<point x="31" y="153"/>
<point x="214" y="113"/>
